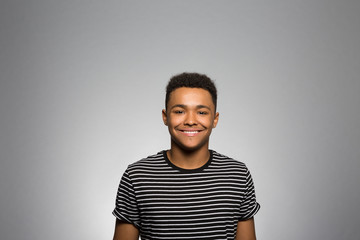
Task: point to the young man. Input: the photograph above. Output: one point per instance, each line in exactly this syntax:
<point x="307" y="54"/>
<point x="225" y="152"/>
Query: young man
<point x="189" y="191"/>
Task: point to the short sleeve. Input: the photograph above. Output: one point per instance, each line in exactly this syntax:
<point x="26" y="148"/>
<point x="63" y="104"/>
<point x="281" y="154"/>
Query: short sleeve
<point x="126" y="208"/>
<point x="249" y="206"/>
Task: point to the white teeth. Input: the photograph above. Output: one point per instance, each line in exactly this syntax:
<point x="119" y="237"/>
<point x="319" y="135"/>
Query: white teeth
<point x="191" y="131"/>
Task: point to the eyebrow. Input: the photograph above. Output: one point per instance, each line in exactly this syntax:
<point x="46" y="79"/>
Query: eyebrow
<point x="184" y="106"/>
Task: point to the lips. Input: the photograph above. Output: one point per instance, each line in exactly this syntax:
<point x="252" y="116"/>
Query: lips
<point x="190" y="133"/>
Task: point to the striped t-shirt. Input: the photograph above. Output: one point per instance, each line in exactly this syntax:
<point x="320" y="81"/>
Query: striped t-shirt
<point x="167" y="202"/>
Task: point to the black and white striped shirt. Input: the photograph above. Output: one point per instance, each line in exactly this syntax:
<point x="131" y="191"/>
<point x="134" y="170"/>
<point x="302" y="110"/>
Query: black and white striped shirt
<point x="167" y="202"/>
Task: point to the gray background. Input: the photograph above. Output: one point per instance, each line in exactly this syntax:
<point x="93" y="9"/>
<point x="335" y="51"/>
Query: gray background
<point x="82" y="88"/>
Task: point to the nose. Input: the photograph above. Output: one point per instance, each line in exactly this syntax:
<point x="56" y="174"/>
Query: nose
<point x="190" y="119"/>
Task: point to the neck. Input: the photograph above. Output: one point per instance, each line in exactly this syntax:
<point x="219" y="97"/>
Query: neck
<point x="188" y="159"/>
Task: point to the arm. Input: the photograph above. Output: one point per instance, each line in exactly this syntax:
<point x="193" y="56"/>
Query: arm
<point x="125" y="231"/>
<point x="246" y="230"/>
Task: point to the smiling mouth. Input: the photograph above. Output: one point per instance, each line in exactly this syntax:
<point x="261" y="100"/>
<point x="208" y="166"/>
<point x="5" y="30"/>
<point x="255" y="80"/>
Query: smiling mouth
<point x="190" y="133"/>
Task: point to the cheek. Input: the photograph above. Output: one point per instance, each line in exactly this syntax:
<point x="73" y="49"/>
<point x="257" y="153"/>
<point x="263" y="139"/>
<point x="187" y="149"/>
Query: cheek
<point x="206" y="122"/>
<point x="174" y="121"/>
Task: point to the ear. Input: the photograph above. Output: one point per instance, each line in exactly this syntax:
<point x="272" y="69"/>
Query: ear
<point x="216" y="119"/>
<point x="164" y="116"/>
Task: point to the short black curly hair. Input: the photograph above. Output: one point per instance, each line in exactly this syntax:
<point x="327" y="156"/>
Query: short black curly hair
<point x="191" y="80"/>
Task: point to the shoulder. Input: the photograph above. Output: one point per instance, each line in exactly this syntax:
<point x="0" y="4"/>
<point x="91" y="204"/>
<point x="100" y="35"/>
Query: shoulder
<point x="151" y="161"/>
<point x="221" y="160"/>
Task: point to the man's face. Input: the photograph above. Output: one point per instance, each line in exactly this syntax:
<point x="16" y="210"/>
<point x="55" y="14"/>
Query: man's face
<point x="190" y="117"/>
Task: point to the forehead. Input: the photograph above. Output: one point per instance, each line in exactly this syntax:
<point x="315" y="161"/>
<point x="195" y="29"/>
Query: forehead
<point x="190" y="96"/>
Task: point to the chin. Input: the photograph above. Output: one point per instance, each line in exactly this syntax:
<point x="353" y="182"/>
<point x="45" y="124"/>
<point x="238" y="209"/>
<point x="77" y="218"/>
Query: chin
<point x="189" y="148"/>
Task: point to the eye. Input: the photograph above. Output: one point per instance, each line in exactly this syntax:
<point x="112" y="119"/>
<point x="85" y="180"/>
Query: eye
<point x="203" y="112"/>
<point x="178" y="111"/>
